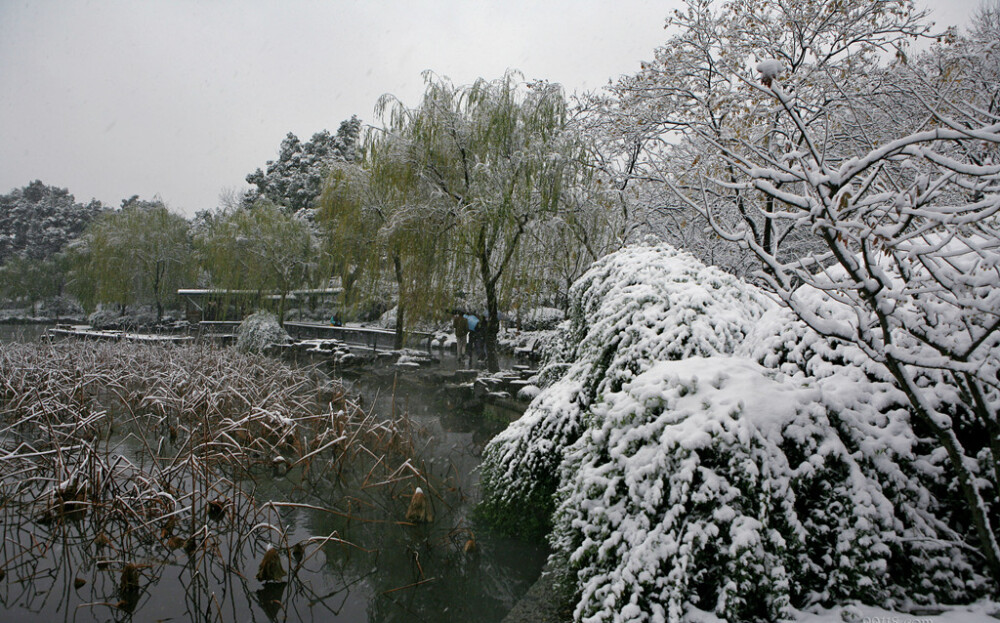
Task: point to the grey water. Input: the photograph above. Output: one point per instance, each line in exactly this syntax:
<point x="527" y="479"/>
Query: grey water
<point x="21" y="332"/>
<point x="393" y="571"/>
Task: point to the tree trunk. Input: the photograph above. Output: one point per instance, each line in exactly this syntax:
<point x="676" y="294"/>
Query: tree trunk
<point x="281" y="309"/>
<point x="347" y="283"/>
<point x="397" y="343"/>
<point x="977" y="508"/>
<point x="491" y="323"/>
<point x="924" y="411"/>
<point x="158" y="275"/>
<point x="768" y="241"/>
<point x="490" y="281"/>
<point x="59" y="300"/>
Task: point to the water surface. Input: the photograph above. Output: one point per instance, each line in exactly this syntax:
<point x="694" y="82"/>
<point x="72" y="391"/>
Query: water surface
<point x="378" y="568"/>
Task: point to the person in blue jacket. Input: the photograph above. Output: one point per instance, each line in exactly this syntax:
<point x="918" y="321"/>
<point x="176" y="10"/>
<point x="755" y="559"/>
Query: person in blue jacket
<point x="475" y="336"/>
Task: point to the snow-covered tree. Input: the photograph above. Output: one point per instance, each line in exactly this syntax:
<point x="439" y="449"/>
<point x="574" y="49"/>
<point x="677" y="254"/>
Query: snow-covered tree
<point x="630" y="310"/>
<point x="295" y="180"/>
<point x="912" y="251"/>
<point x="37" y="221"/>
<point x="847" y="448"/>
<point x="903" y="242"/>
<point x="696" y="100"/>
<point x="709" y="451"/>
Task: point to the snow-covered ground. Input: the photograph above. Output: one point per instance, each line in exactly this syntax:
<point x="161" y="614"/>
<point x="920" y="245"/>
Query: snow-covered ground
<point x="979" y="612"/>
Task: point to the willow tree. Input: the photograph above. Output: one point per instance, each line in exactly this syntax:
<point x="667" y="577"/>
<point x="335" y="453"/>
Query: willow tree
<point x="31" y="281"/>
<point x="493" y="159"/>
<point x="348" y="232"/>
<point x="258" y="248"/>
<point x="379" y="220"/>
<point x="140" y="254"/>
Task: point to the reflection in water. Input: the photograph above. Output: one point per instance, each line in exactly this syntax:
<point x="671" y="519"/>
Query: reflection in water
<point x="349" y="552"/>
<point x="21" y="332"/>
<point x="270" y="599"/>
<point x="417" y="571"/>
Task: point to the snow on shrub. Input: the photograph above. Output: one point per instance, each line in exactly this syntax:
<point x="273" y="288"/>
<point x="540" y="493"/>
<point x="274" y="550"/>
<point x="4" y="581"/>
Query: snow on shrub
<point x="632" y="308"/>
<point x="709" y="451"/>
<point x="388" y="319"/>
<point x="871" y="415"/>
<point x="540" y="319"/>
<point x="719" y="483"/>
<point x="105" y="318"/>
<point x="258" y="331"/>
<point x="109" y="318"/>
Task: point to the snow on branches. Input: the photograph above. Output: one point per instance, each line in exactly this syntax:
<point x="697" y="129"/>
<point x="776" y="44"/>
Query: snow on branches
<point x="631" y="309"/>
<point x="710" y="450"/>
<point x="769" y="70"/>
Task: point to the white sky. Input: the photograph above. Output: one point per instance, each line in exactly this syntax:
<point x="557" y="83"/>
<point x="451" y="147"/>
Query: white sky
<point x="183" y="99"/>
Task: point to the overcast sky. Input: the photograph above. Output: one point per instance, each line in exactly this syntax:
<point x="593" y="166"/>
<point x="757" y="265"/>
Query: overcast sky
<point x="182" y="99"/>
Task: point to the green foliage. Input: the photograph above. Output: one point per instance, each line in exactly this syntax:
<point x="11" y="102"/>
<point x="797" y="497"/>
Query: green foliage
<point x="531" y="521"/>
<point x="31" y="281"/>
<point x="378" y="221"/>
<point x="140" y="254"/>
<point x="259" y="248"/>
<point x="348" y="229"/>
<point x="474" y="172"/>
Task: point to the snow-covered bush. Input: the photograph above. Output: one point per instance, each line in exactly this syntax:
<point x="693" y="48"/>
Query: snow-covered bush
<point x="872" y="416"/>
<point x="111" y="318"/>
<point x="60" y="307"/>
<point x="530" y="344"/>
<point x="719" y="483"/>
<point x="258" y="331"/>
<point x="540" y="318"/>
<point x="631" y="309"/>
<point x="104" y="318"/>
<point x="710" y="451"/>
<point x="388" y="319"/>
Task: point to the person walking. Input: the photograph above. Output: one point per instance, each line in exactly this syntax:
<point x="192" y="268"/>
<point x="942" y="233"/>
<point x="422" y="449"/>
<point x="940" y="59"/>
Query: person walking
<point x="474" y="336"/>
<point x="461" y="326"/>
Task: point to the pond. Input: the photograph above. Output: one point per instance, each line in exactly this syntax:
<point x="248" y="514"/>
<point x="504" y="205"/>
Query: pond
<point x="356" y="556"/>
<point x="22" y="332"/>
